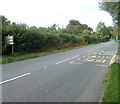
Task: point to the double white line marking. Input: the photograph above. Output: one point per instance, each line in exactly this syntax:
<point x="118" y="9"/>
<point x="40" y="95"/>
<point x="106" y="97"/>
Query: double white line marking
<point x="23" y="75"/>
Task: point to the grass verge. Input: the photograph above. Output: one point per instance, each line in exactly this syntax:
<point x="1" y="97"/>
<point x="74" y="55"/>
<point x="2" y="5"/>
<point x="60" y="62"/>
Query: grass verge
<point x="111" y="93"/>
<point x="18" y="56"/>
<point x="116" y="41"/>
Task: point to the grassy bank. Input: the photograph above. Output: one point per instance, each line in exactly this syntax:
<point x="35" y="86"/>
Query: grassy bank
<point x="22" y="56"/>
<point x="116" y="41"/>
<point x="111" y="92"/>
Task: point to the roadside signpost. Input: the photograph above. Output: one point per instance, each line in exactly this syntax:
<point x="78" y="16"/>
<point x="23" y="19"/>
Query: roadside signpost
<point x="10" y="41"/>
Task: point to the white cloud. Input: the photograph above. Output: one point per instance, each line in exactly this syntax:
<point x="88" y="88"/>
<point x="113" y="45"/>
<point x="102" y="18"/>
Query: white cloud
<point x="48" y="12"/>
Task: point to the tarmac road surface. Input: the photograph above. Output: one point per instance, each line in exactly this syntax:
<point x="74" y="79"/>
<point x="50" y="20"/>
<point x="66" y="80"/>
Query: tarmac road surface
<point x="70" y="76"/>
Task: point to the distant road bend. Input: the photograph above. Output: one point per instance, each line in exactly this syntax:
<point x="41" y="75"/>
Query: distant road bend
<point x="70" y="76"/>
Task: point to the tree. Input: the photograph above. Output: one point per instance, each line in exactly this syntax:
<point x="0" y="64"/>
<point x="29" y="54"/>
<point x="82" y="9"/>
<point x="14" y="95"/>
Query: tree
<point x="100" y="26"/>
<point x="103" y="30"/>
<point x="109" y="30"/>
<point x="54" y="26"/>
<point x="90" y="29"/>
<point x="84" y="26"/>
<point x="113" y="8"/>
<point x="115" y="32"/>
<point x="73" y="27"/>
<point x="73" y="23"/>
<point x="86" y="32"/>
<point x="4" y="20"/>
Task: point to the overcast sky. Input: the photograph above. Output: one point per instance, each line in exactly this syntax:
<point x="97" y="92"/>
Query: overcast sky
<point x="44" y="13"/>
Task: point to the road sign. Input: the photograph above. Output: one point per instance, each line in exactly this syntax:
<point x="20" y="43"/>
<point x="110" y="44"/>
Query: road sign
<point x="10" y="40"/>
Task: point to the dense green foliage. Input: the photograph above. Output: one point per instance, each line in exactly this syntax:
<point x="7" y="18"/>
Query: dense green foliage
<point x="104" y="31"/>
<point x="113" y="8"/>
<point x="33" y="39"/>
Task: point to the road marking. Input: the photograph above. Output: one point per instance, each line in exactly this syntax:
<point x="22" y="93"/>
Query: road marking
<point x="88" y="60"/>
<point x="75" y="63"/>
<point x="92" y="60"/>
<point x="14" y="78"/>
<point x="108" y="57"/>
<point x="97" y="60"/>
<point x="45" y="67"/>
<point x="112" y="60"/>
<point x="94" y="56"/>
<point x="71" y="62"/>
<point x="66" y="59"/>
<point x="78" y="59"/>
<point x="99" y="56"/>
<point x="102" y="65"/>
<point x="103" y="56"/>
<point x="104" y="61"/>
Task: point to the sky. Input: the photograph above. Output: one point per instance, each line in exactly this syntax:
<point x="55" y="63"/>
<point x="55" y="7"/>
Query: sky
<point x="45" y="13"/>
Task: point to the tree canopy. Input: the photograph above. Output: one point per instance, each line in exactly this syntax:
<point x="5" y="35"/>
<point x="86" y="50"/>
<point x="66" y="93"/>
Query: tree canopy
<point x="113" y="8"/>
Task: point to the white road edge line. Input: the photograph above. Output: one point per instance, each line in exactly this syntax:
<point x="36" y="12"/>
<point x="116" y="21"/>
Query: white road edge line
<point x="14" y="78"/>
<point x="66" y="59"/>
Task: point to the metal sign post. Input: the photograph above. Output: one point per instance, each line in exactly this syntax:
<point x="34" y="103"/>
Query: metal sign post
<point x="12" y="49"/>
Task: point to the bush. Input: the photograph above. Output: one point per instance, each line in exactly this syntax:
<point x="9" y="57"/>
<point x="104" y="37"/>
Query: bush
<point x="52" y="40"/>
<point x="31" y="39"/>
<point x="105" y="38"/>
<point x="86" y="38"/>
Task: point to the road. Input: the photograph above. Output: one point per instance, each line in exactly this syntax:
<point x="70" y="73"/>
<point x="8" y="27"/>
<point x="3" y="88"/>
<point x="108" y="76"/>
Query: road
<point x="70" y="76"/>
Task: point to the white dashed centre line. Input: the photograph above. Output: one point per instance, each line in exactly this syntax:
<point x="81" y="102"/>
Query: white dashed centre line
<point x="66" y="59"/>
<point x="78" y="59"/>
<point x="14" y="78"/>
